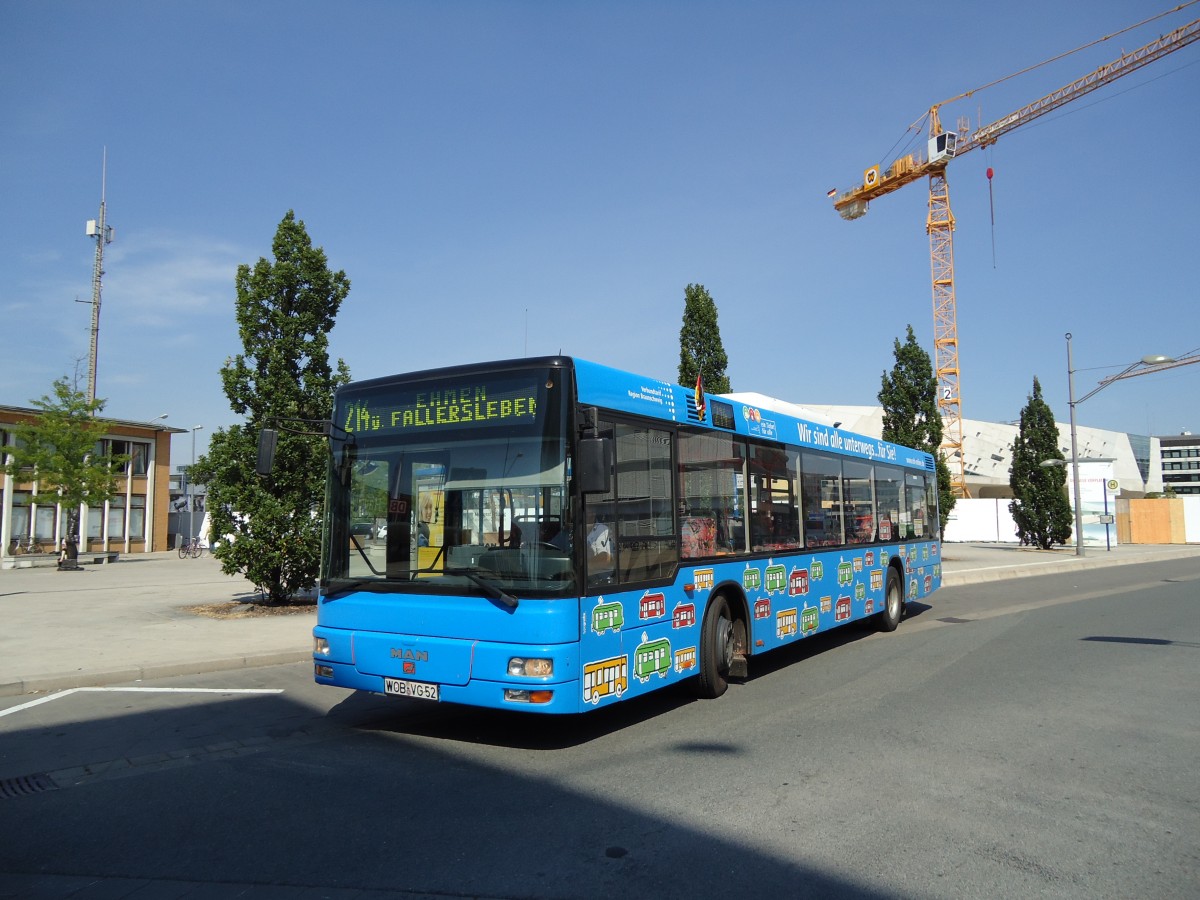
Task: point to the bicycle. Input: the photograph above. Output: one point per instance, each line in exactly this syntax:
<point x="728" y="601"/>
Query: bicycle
<point x="192" y="548"/>
<point x="25" y="543"/>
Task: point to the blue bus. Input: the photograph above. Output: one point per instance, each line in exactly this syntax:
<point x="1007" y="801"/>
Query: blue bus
<point x="523" y="534"/>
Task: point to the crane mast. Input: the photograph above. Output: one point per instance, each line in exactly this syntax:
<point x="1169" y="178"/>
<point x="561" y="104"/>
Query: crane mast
<point x="944" y="146"/>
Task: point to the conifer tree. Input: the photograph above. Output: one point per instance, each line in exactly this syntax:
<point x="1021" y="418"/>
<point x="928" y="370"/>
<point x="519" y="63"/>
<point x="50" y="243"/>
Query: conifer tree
<point x="60" y="450"/>
<point x="1040" y="506"/>
<point x="910" y="412"/>
<point x="269" y="528"/>
<point x="700" y="350"/>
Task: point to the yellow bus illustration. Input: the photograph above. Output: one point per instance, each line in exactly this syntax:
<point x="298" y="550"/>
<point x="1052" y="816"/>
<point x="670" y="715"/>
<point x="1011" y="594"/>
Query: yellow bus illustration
<point x="604" y="677"/>
<point x="685" y="659"/>
<point x="785" y="623"/>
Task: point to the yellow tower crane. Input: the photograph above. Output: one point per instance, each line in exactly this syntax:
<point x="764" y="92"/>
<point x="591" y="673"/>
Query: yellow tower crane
<point x="947" y="145"/>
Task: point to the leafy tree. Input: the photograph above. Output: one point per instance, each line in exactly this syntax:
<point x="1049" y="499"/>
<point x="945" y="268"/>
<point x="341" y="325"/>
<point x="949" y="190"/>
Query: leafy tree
<point x="60" y="450"/>
<point x="910" y="412"/>
<point x="1040" y="506"/>
<point x="700" y="348"/>
<point x="285" y="311"/>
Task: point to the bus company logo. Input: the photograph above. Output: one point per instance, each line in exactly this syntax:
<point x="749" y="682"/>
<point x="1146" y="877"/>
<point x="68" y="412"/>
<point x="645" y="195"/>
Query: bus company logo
<point x="684" y="615"/>
<point x="785" y="623"/>
<point x="651" y="658"/>
<point x="685" y="659"/>
<point x="652" y="606"/>
<point x="928" y="583"/>
<point x="845" y="573"/>
<point x="870" y="608"/>
<point x="776" y="579"/>
<point x="604" y="678"/>
<point x="860" y="591"/>
<point x="858" y="564"/>
<point x="606" y="616"/>
<point x="798" y="582"/>
<point x="762" y="608"/>
<point x="826" y="603"/>
<point x="817" y="569"/>
<point x="703" y="579"/>
<point x="870" y="558"/>
<point x="809" y="619"/>
<point x="842" y="610"/>
<point x="751" y="578"/>
<point x="877" y="579"/>
<point x="412" y="656"/>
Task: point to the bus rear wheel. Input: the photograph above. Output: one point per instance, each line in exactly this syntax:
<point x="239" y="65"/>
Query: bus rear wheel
<point x="717" y="647"/>
<point x="893" y="603"/>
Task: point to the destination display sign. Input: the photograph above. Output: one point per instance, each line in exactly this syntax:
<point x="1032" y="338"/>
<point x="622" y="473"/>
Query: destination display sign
<point x="483" y="402"/>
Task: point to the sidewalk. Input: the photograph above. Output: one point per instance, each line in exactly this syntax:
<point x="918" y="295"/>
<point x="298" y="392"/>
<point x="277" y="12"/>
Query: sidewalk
<point x="125" y="621"/>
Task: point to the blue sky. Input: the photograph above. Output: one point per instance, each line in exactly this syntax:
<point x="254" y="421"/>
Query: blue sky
<point x="502" y="179"/>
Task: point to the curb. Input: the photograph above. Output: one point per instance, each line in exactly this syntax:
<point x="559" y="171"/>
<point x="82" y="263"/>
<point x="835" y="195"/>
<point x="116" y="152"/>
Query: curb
<point x="36" y="684"/>
<point x="1053" y="567"/>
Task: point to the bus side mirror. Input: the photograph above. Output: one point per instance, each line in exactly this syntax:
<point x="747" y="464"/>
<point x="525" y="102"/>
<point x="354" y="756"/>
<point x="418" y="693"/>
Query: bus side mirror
<point x="595" y="465"/>
<point x="267" y="439"/>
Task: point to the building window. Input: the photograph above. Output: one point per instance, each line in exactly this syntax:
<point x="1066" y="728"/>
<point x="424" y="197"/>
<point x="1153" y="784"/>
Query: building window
<point x="137" y="516"/>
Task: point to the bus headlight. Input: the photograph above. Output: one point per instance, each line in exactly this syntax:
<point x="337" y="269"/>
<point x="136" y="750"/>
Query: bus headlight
<point x="321" y="646"/>
<point x="530" y="668"/>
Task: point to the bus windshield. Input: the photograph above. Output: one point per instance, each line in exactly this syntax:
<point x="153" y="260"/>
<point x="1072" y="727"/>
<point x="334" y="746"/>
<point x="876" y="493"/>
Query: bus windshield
<point x="456" y="488"/>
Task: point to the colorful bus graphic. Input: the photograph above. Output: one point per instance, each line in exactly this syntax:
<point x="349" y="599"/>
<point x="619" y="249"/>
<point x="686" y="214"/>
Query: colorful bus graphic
<point x="785" y="623"/>
<point x="684" y="615"/>
<point x="809" y="619"/>
<point x="762" y="608"/>
<point x="776" y="579"/>
<point x="652" y="658"/>
<point x="845" y="573"/>
<point x="685" y="659"/>
<point x="841" y="612"/>
<point x="606" y="616"/>
<point x="606" y="677"/>
<point x="652" y="606"/>
<point x="751" y="579"/>
<point x="798" y="582"/>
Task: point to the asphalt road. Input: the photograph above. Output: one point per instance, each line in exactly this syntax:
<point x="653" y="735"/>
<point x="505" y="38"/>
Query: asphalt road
<point x="1029" y="738"/>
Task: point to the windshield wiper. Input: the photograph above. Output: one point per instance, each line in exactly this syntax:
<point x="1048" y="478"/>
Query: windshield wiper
<point x="489" y="587"/>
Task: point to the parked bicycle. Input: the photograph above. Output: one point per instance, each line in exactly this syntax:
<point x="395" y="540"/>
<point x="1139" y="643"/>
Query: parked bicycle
<point x="25" y="543"/>
<point x="192" y="548"/>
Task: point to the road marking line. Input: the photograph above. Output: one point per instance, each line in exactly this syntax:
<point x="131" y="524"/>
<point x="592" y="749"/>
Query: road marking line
<point x="141" y="690"/>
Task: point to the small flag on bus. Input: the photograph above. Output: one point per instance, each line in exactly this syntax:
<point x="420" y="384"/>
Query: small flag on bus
<point x="700" y="395"/>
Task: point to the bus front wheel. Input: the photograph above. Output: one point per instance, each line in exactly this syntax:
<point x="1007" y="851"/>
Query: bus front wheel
<point x="893" y="603"/>
<point x="716" y="649"/>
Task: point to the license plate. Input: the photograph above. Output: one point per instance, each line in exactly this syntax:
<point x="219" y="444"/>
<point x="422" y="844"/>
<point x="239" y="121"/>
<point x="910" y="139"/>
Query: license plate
<point x="417" y="689"/>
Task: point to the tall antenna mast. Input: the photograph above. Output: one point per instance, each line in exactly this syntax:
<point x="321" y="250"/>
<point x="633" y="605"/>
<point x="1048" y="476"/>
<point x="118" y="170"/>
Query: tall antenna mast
<point x="103" y="234"/>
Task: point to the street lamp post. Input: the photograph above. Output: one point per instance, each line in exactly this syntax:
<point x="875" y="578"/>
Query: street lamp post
<point x="190" y="496"/>
<point x="1144" y="366"/>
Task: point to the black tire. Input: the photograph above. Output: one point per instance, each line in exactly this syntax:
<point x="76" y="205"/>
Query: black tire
<point x="716" y="649"/>
<point x="183" y="550"/>
<point x="893" y="603"/>
<point x="197" y="550"/>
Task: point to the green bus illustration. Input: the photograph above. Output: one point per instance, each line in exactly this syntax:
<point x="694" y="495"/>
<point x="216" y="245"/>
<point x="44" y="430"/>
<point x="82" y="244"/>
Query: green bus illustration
<point x="652" y="658"/>
<point x="606" y="616"/>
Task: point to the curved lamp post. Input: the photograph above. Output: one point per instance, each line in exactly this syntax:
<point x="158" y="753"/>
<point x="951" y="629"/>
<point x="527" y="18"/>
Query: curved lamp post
<point x="1144" y="366"/>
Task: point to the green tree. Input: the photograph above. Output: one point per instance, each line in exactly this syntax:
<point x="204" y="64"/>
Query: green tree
<point x="1040" y="506"/>
<point x="700" y="348"/>
<point x="61" y="450"/>
<point x="285" y="310"/>
<point x="910" y="412"/>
